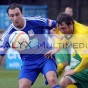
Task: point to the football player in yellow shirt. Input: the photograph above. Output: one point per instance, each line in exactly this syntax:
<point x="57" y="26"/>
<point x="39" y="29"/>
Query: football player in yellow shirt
<point x="76" y="34"/>
<point x="63" y="56"/>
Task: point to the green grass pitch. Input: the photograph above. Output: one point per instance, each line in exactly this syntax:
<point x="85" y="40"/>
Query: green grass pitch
<point x="9" y="79"/>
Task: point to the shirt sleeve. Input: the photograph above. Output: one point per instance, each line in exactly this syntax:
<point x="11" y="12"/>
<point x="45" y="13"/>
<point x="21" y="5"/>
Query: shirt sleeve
<point x="4" y="45"/>
<point x="83" y="65"/>
<point x="43" y="22"/>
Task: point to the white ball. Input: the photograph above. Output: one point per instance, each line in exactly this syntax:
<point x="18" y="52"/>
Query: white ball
<point x="19" y="40"/>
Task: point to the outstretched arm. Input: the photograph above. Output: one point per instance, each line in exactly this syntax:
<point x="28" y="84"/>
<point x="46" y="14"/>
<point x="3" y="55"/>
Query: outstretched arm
<point x="82" y="66"/>
<point x="64" y="43"/>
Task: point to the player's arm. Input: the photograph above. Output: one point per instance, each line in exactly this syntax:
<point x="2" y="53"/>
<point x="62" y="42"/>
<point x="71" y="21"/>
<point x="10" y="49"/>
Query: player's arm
<point x="58" y="46"/>
<point x="4" y="45"/>
<point x="83" y="65"/>
<point x="51" y="23"/>
<point x="44" y="22"/>
<point x="2" y="52"/>
<point x="53" y="31"/>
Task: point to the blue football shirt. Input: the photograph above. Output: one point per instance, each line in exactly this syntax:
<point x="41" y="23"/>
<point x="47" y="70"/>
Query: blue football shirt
<point x="34" y="27"/>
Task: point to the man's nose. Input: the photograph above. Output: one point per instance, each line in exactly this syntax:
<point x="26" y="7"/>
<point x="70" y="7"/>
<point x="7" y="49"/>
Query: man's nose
<point x="15" y="17"/>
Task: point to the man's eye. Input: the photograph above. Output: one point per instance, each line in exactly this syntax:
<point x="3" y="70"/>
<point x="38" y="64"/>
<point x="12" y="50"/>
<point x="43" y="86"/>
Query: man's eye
<point x="11" y="15"/>
<point x="17" y="14"/>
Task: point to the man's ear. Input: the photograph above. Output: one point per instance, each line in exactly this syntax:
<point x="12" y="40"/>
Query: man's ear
<point x="8" y="15"/>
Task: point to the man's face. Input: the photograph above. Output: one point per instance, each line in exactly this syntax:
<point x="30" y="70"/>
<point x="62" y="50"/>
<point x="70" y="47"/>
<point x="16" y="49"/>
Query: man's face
<point x="65" y="29"/>
<point x="16" y="17"/>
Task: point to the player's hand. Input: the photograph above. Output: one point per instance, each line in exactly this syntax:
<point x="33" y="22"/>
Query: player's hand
<point x="51" y="52"/>
<point x="69" y="72"/>
<point x="53" y="31"/>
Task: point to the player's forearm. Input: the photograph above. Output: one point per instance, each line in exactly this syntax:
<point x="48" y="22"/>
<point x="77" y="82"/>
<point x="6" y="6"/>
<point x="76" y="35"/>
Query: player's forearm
<point x="1" y="59"/>
<point x="83" y="65"/>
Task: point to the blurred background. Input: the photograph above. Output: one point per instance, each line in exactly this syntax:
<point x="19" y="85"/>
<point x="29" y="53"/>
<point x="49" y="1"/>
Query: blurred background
<point x="45" y="8"/>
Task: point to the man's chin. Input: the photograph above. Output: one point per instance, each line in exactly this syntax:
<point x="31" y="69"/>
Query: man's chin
<point x="16" y="25"/>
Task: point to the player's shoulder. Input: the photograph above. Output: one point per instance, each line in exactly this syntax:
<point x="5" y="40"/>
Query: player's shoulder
<point x="7" y="31"/>
<point x="81" y="26"/>
<point x="10" y="27"/>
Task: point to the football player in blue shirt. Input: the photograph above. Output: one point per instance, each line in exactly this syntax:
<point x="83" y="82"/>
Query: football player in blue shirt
<point x="33" y="58"/>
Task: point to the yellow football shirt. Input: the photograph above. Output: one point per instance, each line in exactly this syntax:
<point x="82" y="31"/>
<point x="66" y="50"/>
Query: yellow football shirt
<point x="79" y="42"/>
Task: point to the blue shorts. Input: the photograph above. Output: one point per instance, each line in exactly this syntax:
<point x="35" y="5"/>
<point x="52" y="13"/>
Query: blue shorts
<point x="32" y="70"/>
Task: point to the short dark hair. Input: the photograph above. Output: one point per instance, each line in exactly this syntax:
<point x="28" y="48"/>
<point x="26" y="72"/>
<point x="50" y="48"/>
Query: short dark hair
<point x="63" y="17"/>
<point x="13" y="6"/>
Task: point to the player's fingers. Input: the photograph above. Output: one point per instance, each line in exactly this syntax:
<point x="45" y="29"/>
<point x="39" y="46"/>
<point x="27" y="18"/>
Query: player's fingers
<point x="48" y="56"/>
